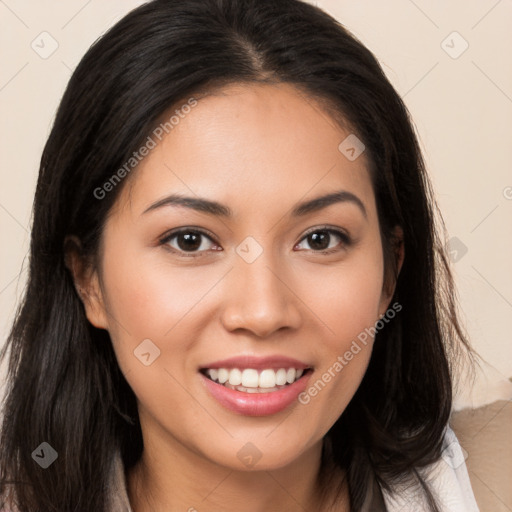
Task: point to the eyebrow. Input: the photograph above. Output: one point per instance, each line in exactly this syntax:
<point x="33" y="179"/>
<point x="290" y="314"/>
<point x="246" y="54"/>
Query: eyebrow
<point x="214" y="208"/>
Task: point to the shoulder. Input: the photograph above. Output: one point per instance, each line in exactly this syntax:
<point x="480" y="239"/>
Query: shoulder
<point x="447" y="479"/>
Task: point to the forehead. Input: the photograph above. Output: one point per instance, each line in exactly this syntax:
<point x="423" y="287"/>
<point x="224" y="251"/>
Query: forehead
<point x="249" y="141"/>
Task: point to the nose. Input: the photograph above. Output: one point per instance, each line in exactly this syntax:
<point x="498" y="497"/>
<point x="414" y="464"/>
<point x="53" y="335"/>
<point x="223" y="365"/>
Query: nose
<point x="260" y="299"/>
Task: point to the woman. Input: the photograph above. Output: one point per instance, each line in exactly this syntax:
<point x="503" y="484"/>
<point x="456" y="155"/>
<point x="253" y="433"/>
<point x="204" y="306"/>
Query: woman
<point x="238" y="297"/>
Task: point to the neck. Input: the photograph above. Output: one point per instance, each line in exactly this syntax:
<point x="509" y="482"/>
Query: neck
<point x="177" y="479"/>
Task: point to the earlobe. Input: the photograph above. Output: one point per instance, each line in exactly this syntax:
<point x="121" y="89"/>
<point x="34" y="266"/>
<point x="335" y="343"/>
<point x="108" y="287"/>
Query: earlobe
<point x="86" y="282"/>
<point x="92" y="299"/>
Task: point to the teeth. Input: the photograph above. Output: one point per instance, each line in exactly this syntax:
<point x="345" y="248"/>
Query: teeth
<point x="250" y="378"/>
<point x="252" y="381"/>
<point x="235" y="377"/>
<point x="290" y="375"/>
<point x="267" y="379"/>
<point x="281" y="377"/>
<point x="223" y="375"/>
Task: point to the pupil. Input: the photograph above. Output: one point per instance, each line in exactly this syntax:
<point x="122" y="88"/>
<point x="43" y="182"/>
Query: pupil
<point x="317" y="240"/>
<point x="192" y="241"/>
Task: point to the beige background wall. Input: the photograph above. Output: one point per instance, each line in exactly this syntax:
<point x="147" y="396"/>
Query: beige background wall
<point x="451" y="61"/>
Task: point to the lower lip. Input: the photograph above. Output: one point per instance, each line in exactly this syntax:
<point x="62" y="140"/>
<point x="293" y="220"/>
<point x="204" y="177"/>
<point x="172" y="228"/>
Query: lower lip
<point x="256" y="404"/>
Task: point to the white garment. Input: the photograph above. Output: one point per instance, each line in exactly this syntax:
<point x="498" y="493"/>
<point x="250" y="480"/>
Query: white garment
<point x="447" y="479"/>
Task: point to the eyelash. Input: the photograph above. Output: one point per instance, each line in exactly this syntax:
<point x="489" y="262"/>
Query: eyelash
<point x="344" y="237"/>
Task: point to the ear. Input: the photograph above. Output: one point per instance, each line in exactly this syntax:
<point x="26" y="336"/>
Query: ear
<point x="395" y="266"/>
<point x="86" y="281"/>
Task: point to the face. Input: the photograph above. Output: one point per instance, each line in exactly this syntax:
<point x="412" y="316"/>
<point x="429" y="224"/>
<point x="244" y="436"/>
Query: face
<point x="250" y="291"/>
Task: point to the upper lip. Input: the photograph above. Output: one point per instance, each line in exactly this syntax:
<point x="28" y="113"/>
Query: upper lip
<point x="258" y="363"/>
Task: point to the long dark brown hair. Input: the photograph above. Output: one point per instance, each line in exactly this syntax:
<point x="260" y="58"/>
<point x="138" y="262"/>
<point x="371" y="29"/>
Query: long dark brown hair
<point x="64" y="384"/>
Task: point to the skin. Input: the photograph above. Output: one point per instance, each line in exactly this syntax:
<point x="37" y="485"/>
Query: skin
<point x="260" y="150"/>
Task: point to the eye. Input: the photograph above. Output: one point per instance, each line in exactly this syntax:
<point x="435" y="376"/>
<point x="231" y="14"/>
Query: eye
<point x="326" y="240"/>
<point x="189" y="241"/>
<point x="193" y="242"/>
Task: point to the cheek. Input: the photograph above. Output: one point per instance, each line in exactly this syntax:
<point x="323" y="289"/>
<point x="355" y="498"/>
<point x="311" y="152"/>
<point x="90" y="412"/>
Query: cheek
<point x="346" y="301"/>
<point x="346" y="297"/>
<point x="149" y="300"/>
<point x="149" y="297"/>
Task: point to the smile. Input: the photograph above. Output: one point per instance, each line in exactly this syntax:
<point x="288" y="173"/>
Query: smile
<point x="251" y="380"/>
<point x="256" y="386"/>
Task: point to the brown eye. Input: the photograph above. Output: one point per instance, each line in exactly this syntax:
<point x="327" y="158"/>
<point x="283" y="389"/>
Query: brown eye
<point x="322" y="240"/>
<point x="319" y="240"/>
<point x="189" y="241"/>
